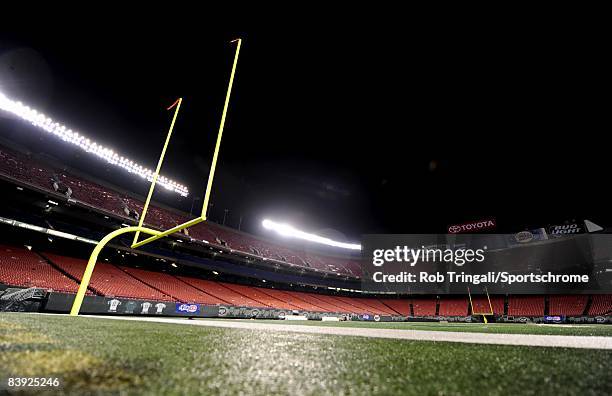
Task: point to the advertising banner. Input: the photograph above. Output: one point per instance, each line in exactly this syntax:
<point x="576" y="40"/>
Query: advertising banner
<point x="189" y="309"/>
<point x="61" y="302"/>
<point x="472" y="226"/>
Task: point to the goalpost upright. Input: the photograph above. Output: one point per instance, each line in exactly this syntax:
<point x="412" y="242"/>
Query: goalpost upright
<point x="155" y="234"/>
<point x="484" y="314"/>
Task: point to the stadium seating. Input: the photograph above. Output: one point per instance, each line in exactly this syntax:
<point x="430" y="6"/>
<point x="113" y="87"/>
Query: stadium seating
<point x="424" y="306"/>
<point x="221" y="292"/>
<point x="20" y="167"/>
<point x="377" y="306"/>
<point x="340" y="305"/>
<point x="172" y="286"/>
<point x="292" y="300"/>
<point x="108" y="280"/>
<point x="526" y="305"/>
<point x="25" y="268"/>
<point x="22" y="267"/>
<point x="480" y="304"/>
<point x="453" y="306"/>
<point x="353" y="304"/>
<point x="567" y="305"/>
<point x="314" y="299"/>
<point x="402" y="307"/>
<point x="601" y="304"/>
<point x="257" y="294"/>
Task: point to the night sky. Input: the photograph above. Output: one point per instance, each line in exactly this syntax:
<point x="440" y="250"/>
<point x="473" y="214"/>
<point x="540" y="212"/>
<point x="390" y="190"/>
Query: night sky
<point x="341" y="125"/>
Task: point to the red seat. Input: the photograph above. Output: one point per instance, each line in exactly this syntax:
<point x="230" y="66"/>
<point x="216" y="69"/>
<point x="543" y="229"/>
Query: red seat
<point x="173" y="286"/>
<point x="402" y="307"/>
<point x="424" y="306"/>
<point x="567" y="305"/>
<point x="24" y="268"/>
<point x="109" y="280"/>
<point x="450" y="306"/>
<point x="480" y="305"/>
<point x="526" y="305"/>
<point x="601" y="304"/>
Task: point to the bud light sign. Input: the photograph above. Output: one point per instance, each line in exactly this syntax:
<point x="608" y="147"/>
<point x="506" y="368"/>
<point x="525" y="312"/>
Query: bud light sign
<point x="187" y="308"/>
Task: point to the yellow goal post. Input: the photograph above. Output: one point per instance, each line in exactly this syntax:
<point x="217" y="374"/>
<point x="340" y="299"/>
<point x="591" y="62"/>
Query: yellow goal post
<point x="484" y="314"/>
<point x="155" y="234"/>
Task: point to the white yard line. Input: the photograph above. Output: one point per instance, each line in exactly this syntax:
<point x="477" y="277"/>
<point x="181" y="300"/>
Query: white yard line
<point x="588" y="342"/>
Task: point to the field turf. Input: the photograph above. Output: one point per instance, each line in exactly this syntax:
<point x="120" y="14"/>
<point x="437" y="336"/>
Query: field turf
<point x="110" y="356"/>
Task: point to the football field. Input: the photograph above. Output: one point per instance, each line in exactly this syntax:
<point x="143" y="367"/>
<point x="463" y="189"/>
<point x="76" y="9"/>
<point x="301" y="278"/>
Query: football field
<point x="108" y="356"/>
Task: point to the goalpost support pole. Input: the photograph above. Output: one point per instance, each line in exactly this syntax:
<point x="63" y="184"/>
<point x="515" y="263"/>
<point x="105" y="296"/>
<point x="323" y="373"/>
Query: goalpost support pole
<point x="155" y="235"/>
<point x="159" y="164"/>
<point x="213" y="166"/>
<point x="484" y="315"/>
<point x="93" y="258"/>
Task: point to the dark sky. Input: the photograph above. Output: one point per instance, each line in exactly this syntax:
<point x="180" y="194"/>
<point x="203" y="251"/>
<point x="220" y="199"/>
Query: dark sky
<point x="343" y="124"/>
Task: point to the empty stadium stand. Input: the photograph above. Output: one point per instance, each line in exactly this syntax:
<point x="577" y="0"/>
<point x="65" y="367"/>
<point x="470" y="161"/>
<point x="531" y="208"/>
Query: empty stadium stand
<point x="22" y="267"/>
<point x="20" y="167"/>
<point x="109" y="280"/>
<point x="172" y="286"/>
<point x="526" y="305"/>
<point x="601" y="304"/>
<point x="317" y="302"/>
<point x="480" y="304"/>
<point x="402" y="307"/>
<point x="567" y="305"/>
<point x="26" y="268"/>
<point x="292" y="300"/>
<point x="453" y="306"/>
<point x="221" y="292"/>
<point x="257" y="294"/>
<point x="424" y="306"/>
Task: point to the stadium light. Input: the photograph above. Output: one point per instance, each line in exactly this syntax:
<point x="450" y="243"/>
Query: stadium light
<point x="42" y="121"/>
<point x="288" y="231"/>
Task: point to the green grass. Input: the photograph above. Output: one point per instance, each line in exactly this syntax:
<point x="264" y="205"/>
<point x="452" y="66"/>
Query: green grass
<point x="110" y="356"/>
<point x="499" y="328"/>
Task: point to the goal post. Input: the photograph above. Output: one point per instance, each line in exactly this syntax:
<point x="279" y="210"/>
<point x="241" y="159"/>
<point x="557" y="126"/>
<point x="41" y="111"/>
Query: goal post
<point x="484" y="314"/>
<point x="155" y="234"/>
<point x="213" y="166"/>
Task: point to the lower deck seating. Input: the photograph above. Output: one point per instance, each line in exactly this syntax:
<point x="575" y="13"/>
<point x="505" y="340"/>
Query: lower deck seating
<point x="526" y="305"/>
<point x="453" y="306"/>
<point x="109" y="280"/>
<point x="601" y="304"/>
<point x="379" y="307"/>
<point x="257" y="294"/>
<point x="355" y="305"/>
<point x="221" y="292"/>
<point x="480" y="304"/>
<point x="293" y="300"/>
<point x="24" y="268"/>
<point x="567" y="305"/>
<point x="402" y="307"/>
<point x="424" y="306"/>
<point x="172" y="286"/>
<point x="311" y="298"/>
<point x="340" y="305"/>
